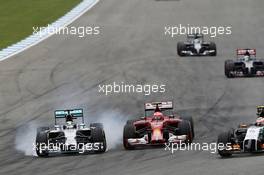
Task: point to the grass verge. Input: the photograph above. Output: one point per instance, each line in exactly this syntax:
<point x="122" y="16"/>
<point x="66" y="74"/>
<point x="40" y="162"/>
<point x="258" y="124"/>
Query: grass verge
<point x="17" y="17"/>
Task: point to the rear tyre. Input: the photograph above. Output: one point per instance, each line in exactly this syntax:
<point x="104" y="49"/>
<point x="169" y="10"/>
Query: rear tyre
<point x="128" y="133"/>
<point x="42" y="144"/>
<point x="185" y="129"/>
<point x="98" y="136"/>
<point x="212" y="46"/>
<point x="180" y="48"/>
<point x="229" y="66"/>
<point x="224" y="138"/>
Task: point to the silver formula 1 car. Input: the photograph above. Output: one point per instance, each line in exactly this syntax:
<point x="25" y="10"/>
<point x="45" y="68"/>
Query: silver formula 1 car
<point x="196" y="46"/>
<point x="246" y="65"/>
<point x="70" y="137"/>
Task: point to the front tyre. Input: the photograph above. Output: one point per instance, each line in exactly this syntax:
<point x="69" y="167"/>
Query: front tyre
<point x="128" y="133"/>
<point x="98" y="136"/>
<point x="42" y="144"/>
<point x="225" y="139"/>
<point x="229" y="67"/>
<point x="185" y="129"/>
<point x="180" y="48"/>
<point x="190" y="119"/>
<point x="212" y="46"/>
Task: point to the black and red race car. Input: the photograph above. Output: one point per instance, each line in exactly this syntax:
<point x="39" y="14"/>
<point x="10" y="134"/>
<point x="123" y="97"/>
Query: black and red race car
<point x="157" y="127"/>
<point x="246" y="65"/>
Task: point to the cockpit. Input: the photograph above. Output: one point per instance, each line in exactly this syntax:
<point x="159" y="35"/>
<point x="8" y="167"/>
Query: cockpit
<point x="158" y="116"/>
<point x="195" y="38"/>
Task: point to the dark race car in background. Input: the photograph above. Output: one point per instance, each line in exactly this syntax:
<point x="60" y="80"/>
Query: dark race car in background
<point x="157" y="127"/>
<point x="70" y="137"/>
<point x="246" y="65"/>
<point x="196" y="46"/>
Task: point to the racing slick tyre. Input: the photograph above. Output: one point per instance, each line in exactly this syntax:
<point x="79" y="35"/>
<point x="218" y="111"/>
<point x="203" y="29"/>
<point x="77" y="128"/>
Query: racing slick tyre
<point x="253" y="71"/>
<point x="257" y="66"/>
<point x="97" y="125"/>
<point x="41" y="142"/>
<point x="98" y="136"/>
<point x="166" y="135"/>
<point x="185" y="129"/>
<point x="212" y="46"/>
<point x="190" y="119"/>
<point x="224" y="138"/>
<point x="128" y="133"/>
<point x="229" y="66"/>
<point x="180" y="48"/>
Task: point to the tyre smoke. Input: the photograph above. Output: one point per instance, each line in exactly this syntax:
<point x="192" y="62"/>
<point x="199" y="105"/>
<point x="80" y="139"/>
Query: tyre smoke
<point x="113" y="122"/>
<point x="25" y="139"/>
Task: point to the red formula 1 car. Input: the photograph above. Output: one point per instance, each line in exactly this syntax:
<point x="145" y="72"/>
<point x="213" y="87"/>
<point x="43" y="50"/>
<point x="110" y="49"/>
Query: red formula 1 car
<point x="157" y="127"/>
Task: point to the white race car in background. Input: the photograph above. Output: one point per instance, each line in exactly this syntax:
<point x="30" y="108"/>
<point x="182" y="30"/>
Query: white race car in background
<point x="245" y="139"/>
<point x="196" y="46"/>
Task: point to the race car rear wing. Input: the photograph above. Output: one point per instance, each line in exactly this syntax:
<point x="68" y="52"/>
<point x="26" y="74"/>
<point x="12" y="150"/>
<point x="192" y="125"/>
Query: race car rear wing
<point x="192" y="35"/>
<point x="244" y="51"/>
<point x="76" y="113"/>
<point x="161" y="105"/>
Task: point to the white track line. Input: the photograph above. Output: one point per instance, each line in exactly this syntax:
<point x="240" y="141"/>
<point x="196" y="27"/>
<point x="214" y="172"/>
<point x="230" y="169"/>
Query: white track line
<point x="36" y="38"/>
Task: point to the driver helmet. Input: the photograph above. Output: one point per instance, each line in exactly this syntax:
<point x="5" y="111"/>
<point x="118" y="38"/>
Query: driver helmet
<point x="196" y="40"/>
<point x="247" y="56"/>
<point x="260" y="121"/>
<point x="157" y="114"/>
<point x="260" y="111"/>
<point x="69" y="118"/>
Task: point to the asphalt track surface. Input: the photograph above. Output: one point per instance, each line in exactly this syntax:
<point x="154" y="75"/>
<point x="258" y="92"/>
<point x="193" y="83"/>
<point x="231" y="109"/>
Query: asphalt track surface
<point x="64" y="71"/>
